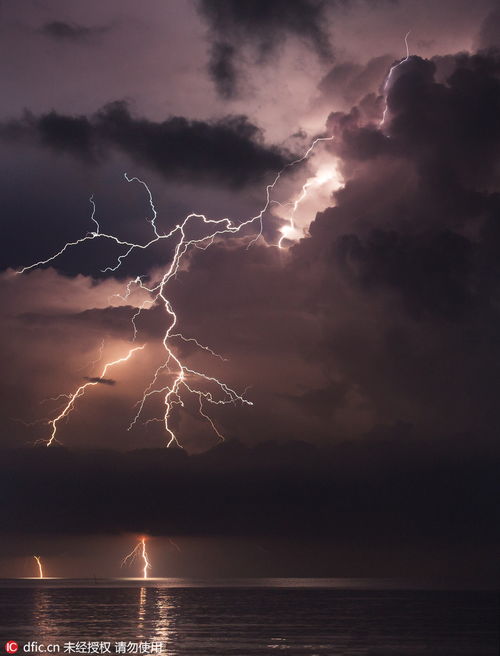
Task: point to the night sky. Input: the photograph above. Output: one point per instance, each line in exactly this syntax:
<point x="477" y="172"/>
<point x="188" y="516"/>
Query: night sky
<point x="368" y="345"/>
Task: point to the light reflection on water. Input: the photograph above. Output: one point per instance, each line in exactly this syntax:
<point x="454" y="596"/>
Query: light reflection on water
<point x="250" y="621"/>
<point x="142" y="610"/>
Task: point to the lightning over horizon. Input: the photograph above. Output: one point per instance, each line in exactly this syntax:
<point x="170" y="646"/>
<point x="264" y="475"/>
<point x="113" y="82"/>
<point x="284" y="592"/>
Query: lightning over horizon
<point x="139" y="551"/>
<point x="39" y="565"/>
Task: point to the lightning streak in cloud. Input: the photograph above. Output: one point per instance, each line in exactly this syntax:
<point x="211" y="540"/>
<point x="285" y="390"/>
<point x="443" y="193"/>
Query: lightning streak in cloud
<point x="389" y="77"/>
<point x="181" y="379"/>
<point x="289" y="230"/>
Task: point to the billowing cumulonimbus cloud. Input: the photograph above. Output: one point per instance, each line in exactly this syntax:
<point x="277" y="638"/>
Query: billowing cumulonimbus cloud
<point x="229" y="151"/>
<point x="409" y="256"/>
<point x="445" y="139"/>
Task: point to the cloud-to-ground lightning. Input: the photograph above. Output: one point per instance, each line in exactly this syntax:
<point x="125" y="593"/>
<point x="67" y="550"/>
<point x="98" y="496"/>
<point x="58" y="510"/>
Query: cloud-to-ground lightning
<point x="80" y="391"/>
<point x="139" y="551"/>
<point x="180" y="379"/>
<point x="40" y="567"/>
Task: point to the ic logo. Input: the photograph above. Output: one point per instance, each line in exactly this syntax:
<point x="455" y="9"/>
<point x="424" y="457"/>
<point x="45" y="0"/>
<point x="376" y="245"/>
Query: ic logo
<point x="11" y="647"/>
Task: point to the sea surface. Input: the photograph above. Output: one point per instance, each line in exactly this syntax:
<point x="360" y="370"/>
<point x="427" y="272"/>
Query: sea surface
<point x="341" y="617"/>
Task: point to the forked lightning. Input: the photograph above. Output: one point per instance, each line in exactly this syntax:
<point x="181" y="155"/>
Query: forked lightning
<point x="180" y="379"/>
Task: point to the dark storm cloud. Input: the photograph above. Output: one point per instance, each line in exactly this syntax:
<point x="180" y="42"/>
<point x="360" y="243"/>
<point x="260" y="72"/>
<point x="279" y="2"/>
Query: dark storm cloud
<point x="72" y="32"/>
<point x="229" y="151"/>
<point x="434" y="245"/>
<point x="102" y="381"/>
<point x="262" y="24"/>
<point x="431" y="271"/>
<point x="376" y="488"/>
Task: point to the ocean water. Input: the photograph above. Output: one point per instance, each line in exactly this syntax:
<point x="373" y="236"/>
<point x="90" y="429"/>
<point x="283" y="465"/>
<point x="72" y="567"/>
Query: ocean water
<point x="247" y="618"/>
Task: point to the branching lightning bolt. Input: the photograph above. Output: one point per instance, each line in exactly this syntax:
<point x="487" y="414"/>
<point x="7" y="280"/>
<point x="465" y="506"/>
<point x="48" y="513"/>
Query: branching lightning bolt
<point x="181" y="378"/>
<point x="139" y="551"/>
